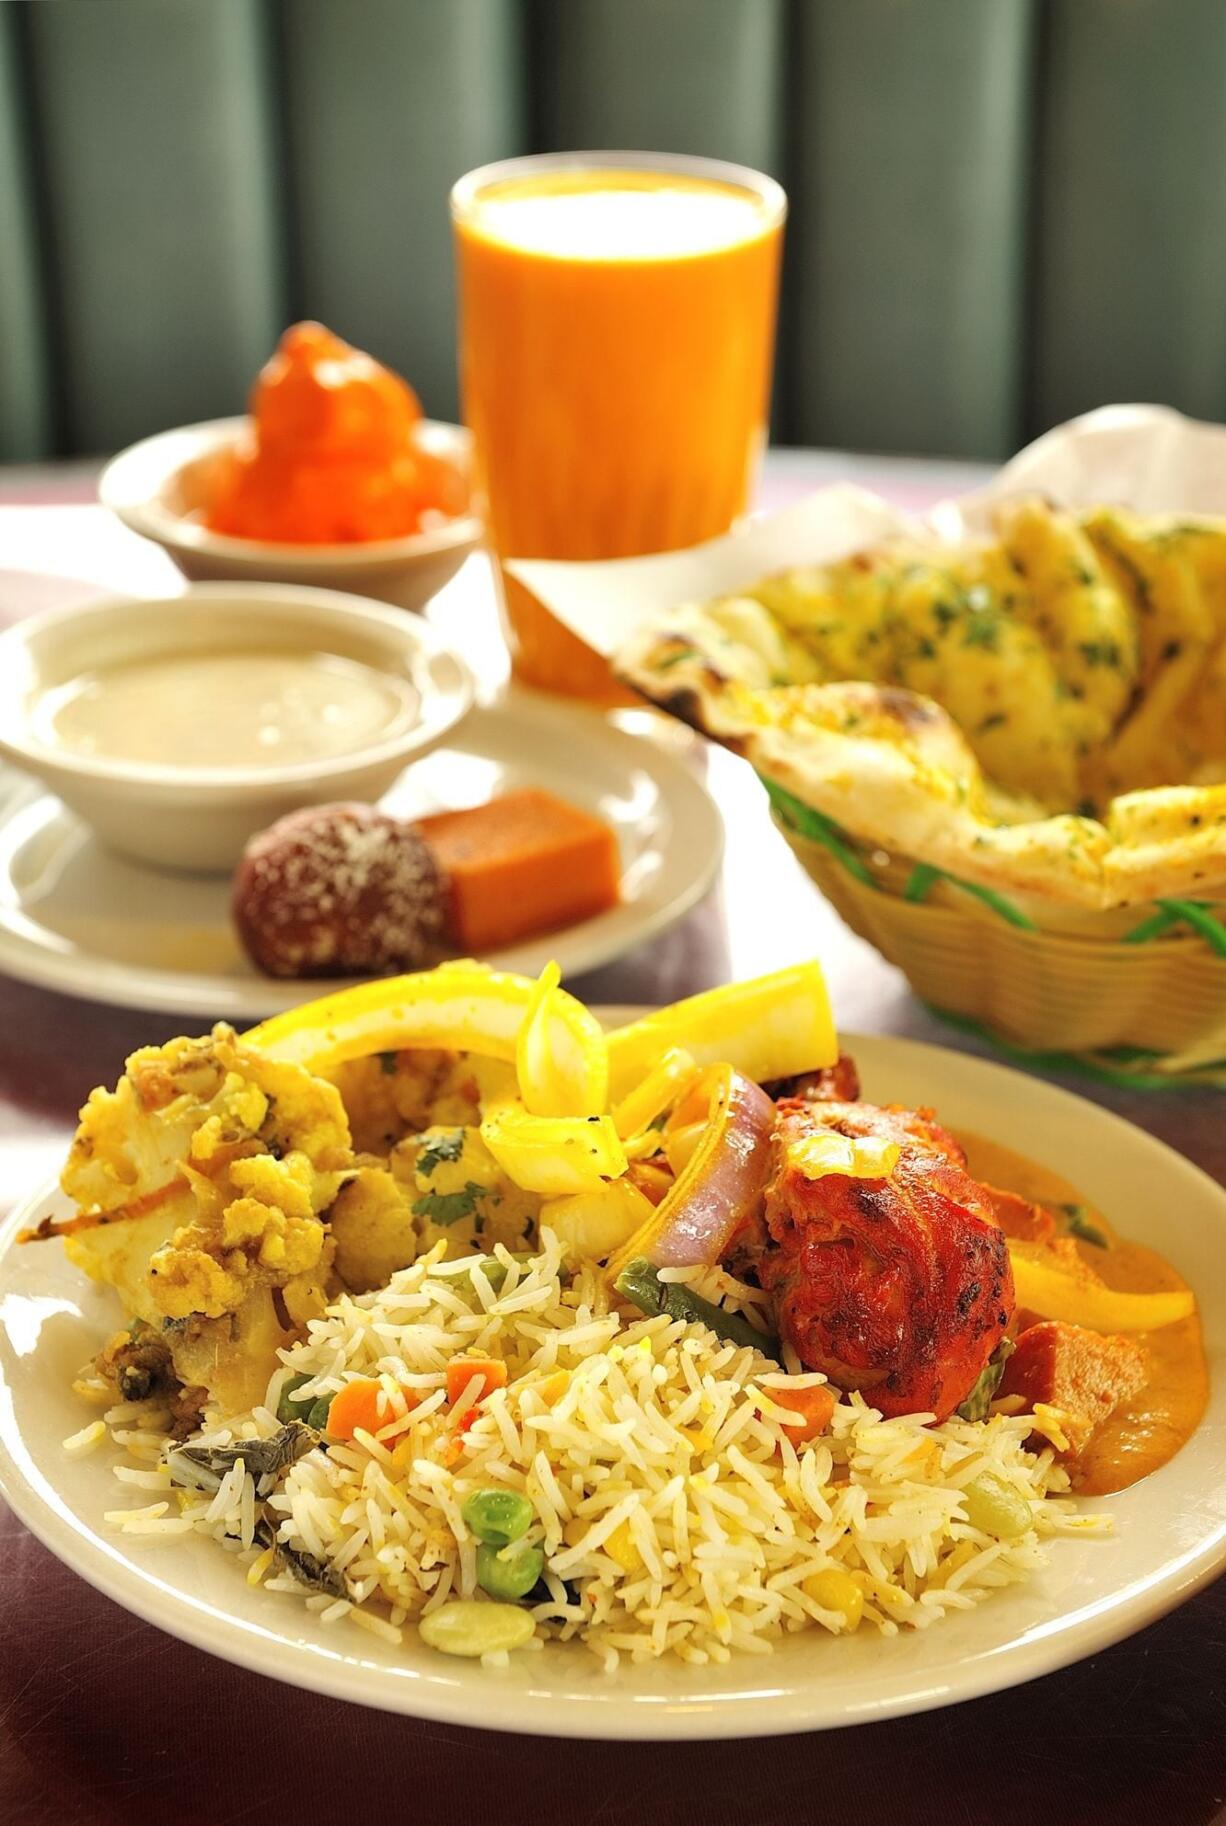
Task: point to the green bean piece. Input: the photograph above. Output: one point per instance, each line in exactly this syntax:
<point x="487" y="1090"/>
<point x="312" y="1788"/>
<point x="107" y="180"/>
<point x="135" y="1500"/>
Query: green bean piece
<point x="639" y="1283"/>
<point x="497" y="1517"/>
<point x="978" y="1403"/>
<point x="509" y="1572"/>
<point x="1079" y="1225"/>
<point x="317" y="1413"/>
<point x="495" y="1270"/>
<point x="287" y="1407"/>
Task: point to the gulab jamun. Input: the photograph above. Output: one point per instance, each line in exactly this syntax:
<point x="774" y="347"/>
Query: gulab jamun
<point x="339" y="890"/>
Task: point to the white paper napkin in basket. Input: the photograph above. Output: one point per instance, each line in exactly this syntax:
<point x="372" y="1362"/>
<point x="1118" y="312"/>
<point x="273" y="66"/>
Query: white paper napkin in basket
<point x="1147" y="457"/>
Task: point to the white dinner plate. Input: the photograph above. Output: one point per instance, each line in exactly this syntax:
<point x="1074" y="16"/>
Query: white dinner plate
<point x="76" y="918"/>
<point x="1169" y="1539"/>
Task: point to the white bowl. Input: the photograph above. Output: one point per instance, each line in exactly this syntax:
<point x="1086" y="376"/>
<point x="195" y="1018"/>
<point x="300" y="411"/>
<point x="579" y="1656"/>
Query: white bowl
<point x="160" y="486"/>
<point x="197" y="818"/>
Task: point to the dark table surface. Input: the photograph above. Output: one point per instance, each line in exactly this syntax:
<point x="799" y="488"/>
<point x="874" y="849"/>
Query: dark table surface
<point x="104" y="1719"/>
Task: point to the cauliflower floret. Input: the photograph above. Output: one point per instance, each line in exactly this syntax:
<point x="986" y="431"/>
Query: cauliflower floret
<point x="186" y="1279"/>
<point x="132" y="1140"/>
<point x="119" y="1254"/>
<point x="372" y="1227"/>
<point x="203" y="1101"/>
<point x="209" y="1171"/>
<point x="274" y="1224"/>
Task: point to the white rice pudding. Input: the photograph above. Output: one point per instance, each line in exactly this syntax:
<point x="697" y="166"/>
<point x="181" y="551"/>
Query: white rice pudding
<point x="233" y="711"/>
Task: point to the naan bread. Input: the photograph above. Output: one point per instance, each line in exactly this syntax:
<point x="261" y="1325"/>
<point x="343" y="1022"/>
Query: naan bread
<point x="1044" y="715"/>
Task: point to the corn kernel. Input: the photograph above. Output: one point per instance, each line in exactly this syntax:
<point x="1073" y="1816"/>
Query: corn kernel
<point x="698" y="1438"/>
<point x="620" y="1547"/>
<point x="835" y="1590"/>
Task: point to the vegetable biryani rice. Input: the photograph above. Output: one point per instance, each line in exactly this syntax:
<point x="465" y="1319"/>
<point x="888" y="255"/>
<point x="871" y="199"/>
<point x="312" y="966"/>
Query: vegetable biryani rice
<point x="672" y="1510"/>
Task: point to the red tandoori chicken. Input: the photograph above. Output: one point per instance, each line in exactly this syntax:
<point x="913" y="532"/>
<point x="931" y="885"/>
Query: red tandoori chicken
<point x="898" y="1285"/>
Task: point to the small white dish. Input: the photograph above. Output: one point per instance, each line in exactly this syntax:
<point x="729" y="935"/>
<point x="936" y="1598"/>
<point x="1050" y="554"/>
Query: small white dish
<point x="160" y="487"/>
<point x="1169" y="1538"/>
<point x="185" y="817"/>
<point x="76" y="918"/>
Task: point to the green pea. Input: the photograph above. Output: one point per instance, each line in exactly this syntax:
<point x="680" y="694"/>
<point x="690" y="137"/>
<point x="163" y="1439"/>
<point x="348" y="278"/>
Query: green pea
<point x="317" y="1413"/>
<point x="509" y="1572"/>
<point x="287" y="1407"/>
<point x="497" y="1517"/>
<point x="996" y="1506"/>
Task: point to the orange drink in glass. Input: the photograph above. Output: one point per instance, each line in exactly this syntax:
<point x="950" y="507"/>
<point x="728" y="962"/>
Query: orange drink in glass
<point x="617" y="322"/>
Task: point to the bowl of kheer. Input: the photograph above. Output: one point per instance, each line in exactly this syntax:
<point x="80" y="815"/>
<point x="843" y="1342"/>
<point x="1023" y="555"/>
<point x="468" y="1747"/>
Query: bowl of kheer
<point x="178" y="727"/>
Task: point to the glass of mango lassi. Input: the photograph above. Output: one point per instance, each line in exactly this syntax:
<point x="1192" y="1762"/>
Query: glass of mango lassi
<point x="617" y="322"/>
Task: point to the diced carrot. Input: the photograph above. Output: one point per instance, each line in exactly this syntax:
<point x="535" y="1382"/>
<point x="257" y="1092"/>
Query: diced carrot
<point x="817" y="1404"/>
<point x="522" y="864"/>
<point x="361" y="1404"/>
<point x="461" y="1370"/>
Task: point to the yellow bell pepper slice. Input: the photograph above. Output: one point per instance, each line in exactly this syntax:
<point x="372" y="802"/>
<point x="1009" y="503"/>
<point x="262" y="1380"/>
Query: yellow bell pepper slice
<point x="569" y="1081"/>
<point x="771" y="1027"/>
<point x="465" y="1007"/>
<point x="854" y="1156"/>
<point x="1042" y="1286"/>
<point x="554" y="1155"/>
<point x="663" y="1086"/>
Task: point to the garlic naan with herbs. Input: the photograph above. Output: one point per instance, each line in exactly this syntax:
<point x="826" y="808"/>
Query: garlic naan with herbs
<point x="1042" y="712"/>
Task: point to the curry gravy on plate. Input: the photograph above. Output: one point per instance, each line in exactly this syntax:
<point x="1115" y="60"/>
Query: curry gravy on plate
<point x="1148" y="1430"/>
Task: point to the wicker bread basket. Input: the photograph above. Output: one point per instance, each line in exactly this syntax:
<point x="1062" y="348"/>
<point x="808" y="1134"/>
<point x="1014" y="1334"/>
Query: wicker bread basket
<point x="1157" y="986"/>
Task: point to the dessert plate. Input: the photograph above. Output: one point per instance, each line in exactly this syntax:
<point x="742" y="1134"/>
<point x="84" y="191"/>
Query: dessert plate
<point x="76" y="918"/>
<point x="1169" y="1537"/>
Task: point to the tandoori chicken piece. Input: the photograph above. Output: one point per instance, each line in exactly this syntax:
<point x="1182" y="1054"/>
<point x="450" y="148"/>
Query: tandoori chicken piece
<point x="897" y="1285"/>
<point x="1083" y="1374"/>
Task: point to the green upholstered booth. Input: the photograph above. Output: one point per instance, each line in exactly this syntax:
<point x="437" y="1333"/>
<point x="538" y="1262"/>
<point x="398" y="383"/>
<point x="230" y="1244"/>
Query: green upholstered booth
<point x="1002" y="211"/>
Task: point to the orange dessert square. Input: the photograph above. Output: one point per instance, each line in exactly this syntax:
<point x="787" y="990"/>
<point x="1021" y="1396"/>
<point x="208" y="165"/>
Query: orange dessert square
<point x="523" y="864"/>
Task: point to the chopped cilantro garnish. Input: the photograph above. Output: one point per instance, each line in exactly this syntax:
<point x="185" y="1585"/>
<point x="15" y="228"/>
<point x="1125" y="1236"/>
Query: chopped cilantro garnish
<point x="441" y="1147"/>
<point x="983" y="632"/>
<point x="1100" y="653"/>
<point x="1080" y="1225"/>
<point x="445" y="1208"/>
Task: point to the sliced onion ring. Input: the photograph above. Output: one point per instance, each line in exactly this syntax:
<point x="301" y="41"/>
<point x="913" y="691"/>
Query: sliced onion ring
<point x="722" y="1182"/>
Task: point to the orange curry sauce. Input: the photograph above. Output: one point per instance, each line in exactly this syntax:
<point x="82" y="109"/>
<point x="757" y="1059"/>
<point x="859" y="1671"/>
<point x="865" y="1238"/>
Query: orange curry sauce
<point x="1148" y="1430"/>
